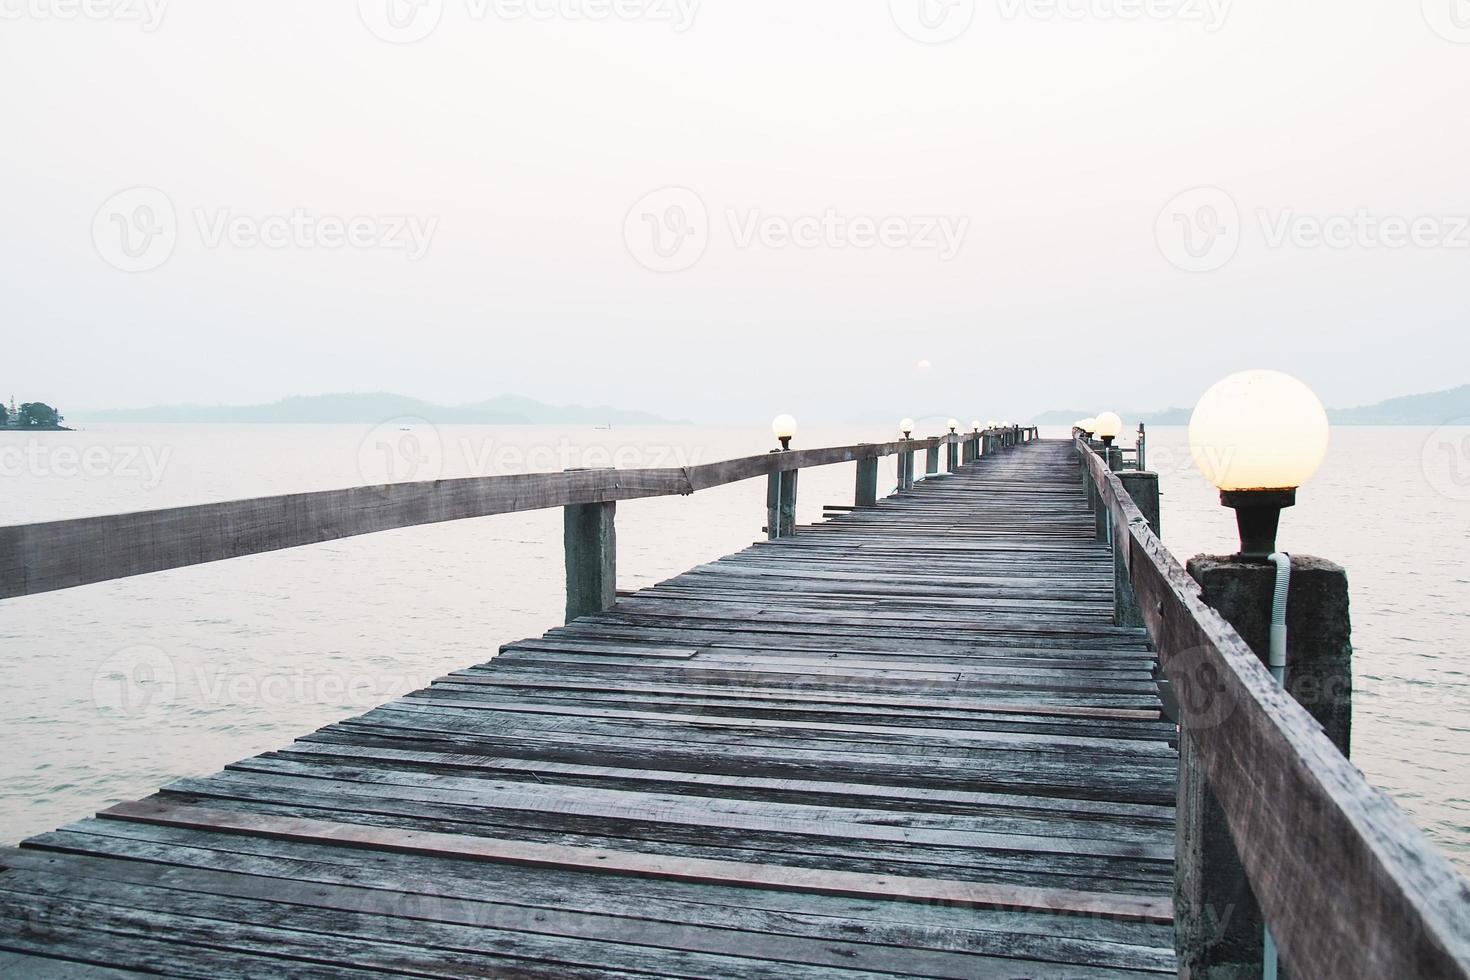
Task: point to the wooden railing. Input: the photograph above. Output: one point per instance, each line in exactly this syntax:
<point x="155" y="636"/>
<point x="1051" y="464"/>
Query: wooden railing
<point x="43" y="557"/>
<point x="1349" y="887"/>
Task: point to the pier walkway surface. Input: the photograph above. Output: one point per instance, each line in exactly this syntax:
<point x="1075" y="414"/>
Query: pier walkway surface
<point x="907" y="741"/>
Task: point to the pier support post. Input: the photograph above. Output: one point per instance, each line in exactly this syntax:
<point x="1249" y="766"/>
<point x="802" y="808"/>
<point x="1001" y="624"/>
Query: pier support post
<point x="1100" y="519"/>
<point x="1218" y="925"/>
<point x="952" y="456"/>
<point x="781" y="504"/>
<point x="910" y="464"/>
<point x="1144" y="489"/>
<point x="590" y="540"/>
<point x="866" y="492"/>
<point x="931" y="461"/>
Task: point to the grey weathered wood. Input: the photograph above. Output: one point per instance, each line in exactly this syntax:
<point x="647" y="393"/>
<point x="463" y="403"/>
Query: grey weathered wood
<point x="866" y="492"/>
<point x="63" y="554"/>
<point x="1350" y="887"/>
<point x="1319" y="674"/>
<point x="931" y="461"/>
<point x="906" y="741"/>
<point x="591" y="549"/>
<point x="1143" y="489"/>
<point x="975" y="895"/>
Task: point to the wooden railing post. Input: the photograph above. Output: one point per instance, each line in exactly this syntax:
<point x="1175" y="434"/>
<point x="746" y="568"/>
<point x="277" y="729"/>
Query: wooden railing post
<point x="1144" y="489"/>
<point x="1102" y="523"/>
<point x="781" y="504"/>
<point x="931" y="461"/>
<point x="952" y="455"/>
<point x="1218" y="924"/>
<point x="866" y="492"/>
<point x="590" y="541"/>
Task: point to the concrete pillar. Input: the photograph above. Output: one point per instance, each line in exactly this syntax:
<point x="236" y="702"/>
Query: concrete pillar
<point x="590" y="540"/>
<point x="866" y="492"/>
<point x="1218" y="926"/>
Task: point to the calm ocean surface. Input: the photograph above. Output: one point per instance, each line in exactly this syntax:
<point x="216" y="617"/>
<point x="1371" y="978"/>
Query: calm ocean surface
<point x="115" y="689"/>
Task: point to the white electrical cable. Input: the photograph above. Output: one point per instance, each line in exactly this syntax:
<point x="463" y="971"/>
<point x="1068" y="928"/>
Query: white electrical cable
<point x="1277" y="662"/>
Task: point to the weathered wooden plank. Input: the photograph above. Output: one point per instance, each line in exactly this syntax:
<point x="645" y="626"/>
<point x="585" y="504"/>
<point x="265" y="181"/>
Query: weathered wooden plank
<point x="1115" y="906"/>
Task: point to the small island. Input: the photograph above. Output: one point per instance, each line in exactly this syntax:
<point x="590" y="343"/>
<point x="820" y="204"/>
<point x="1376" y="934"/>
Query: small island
<point x="31" y="417"/>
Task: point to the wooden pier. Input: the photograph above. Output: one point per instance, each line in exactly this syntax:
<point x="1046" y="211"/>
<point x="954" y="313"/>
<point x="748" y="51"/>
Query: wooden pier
<point x="908" y="741"/>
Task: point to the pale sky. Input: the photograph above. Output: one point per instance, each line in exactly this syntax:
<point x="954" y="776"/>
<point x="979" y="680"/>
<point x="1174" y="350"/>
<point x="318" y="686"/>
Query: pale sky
<point x="1004" y="204"/>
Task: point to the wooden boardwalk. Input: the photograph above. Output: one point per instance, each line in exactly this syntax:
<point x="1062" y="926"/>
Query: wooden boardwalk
<point x="908" y="741"/>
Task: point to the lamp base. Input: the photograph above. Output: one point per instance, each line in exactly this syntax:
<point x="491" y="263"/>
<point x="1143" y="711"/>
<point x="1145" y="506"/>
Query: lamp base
<point x="1258" y="516"/>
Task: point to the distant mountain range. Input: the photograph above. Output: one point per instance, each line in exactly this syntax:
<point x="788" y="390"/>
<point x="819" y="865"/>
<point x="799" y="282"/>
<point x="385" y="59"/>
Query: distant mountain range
<point x="370" y="409"/>
<point x="1434" y="408"/>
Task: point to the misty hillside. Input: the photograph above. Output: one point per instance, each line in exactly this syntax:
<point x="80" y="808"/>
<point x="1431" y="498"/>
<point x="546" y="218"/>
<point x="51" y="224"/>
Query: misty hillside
<point x="380" y="406"/>
<point x="1432" y="408"/>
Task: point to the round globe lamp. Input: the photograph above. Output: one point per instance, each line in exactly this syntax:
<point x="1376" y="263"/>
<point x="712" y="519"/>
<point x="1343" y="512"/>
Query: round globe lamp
<point x="1258" y="436"/>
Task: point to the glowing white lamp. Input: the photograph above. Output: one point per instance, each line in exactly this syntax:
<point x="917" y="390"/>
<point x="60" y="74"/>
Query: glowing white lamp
<point x="784" y="429"/>
<point x="975" y="424"/>
<point x="1088" y="427"/>
<point x="954" y="425"/>
<point x="990" y="425"/>
<point x="907" y="428"/>
<point x="1258" y="436"/>
<point x="1108" y="426"/>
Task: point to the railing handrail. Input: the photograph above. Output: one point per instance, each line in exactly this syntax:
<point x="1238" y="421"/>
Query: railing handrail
<point x="44" y="557"/>
<point x="1349" y="885"/>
